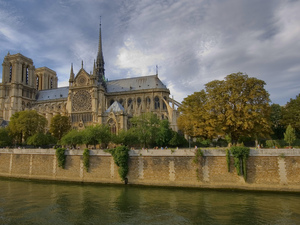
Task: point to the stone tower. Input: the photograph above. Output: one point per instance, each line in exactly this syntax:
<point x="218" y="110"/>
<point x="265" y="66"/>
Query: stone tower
<point x="20" y="83"/>
<point x="18" y="88"/>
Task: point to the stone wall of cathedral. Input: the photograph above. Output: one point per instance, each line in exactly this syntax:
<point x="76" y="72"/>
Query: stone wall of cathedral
<point x="20" y="83"/>
<point x="87" y="102"/>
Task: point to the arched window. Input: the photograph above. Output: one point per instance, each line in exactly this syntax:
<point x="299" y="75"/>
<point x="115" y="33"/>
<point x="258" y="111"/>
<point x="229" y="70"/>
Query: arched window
<point x="156" y="103"/>
<point x="112" y="125"/>
<point x="23" y="67"/>
<point x="51" y="83"/>
<point x="129" y="102"/>
<point x="111" y="102"/>
<point x="10" y="72"/>
<point x="139" y="100"/>
<point x="148" y="102"/>
<point x="37" y="82"/>
<point x="27" y="74"/>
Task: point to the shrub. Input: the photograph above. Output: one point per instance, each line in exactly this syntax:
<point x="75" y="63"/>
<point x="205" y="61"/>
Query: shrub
<point x="198" y="154"/>
<point x="228" y="159"/>
<point x="121" y="156"/>
<point x="271" y="143"/>
<point x="240" y="154"/>
<point x="86" y="159"/>
<point x="61" y="158"/>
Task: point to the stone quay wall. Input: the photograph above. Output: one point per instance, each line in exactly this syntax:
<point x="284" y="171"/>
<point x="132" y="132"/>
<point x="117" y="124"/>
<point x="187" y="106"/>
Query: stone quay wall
<point x="267" y="169"/>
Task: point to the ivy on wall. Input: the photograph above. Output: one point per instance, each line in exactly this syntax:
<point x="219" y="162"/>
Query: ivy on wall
<point x="61" y="158"/>
<point x="240" y="154"/>
<point x="198" y="158"/>
<point x="121" y="156"/>
<point x="86" y="159"/>
<point x="228" y="159"/>
<point x="198" y="155"/>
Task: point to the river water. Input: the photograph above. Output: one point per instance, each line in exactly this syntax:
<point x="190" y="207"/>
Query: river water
<point x="29" y="202"/>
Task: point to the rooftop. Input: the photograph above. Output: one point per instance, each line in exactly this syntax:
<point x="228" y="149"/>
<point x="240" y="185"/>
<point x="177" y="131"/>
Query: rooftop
<point x="52" y="94"/>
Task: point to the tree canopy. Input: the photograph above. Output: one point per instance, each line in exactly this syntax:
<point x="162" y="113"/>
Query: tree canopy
<point x="24" y="124"/>
<point x="145" y="128"/>
<point x="99" y="134"/>
<point x="59" y="126"/>
<point x="236" y="106"/>
<point x="291" y="114"/>
<point x="41" y="139"/>
<point x="5" y="139"/>
<point x="150" y="131"/>
<point x="289" y="135"/>
<point x="276" y="121"/>
<point x="73" y="138"/>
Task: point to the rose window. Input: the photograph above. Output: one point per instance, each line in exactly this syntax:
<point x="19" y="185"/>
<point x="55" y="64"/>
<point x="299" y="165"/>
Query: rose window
<point x="82" y="101"/>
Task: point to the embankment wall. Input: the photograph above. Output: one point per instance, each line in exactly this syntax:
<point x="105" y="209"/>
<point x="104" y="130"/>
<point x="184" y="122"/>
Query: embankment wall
<point x="268" y="169"/>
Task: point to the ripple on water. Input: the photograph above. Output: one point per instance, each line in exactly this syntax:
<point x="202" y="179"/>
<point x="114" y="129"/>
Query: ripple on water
<point x="23" y="202"/>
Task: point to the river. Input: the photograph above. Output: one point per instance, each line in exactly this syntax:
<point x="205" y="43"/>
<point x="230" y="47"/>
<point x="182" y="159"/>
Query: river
<point x="30" y="202"/>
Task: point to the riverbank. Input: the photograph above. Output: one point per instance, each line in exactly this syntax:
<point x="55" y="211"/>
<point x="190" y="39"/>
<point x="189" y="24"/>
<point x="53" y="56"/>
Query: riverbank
<point x="267" y="169"/>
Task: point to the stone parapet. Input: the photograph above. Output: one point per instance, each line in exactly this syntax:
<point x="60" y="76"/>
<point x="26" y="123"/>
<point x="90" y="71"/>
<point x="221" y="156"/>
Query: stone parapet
<point x="159" y="152"/>
<point x="267" y="169"/>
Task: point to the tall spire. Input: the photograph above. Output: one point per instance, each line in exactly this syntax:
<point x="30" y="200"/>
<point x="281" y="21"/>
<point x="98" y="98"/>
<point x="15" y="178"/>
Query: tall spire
<point x="100" y="53"/>
<point x="71" y="72"/>
<point x="71" y="75"/>
<point x="100" y="60"/>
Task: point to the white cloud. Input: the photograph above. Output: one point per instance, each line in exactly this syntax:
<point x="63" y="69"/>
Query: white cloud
<point x="193" y="42"/>
<point x="137" y="60"/>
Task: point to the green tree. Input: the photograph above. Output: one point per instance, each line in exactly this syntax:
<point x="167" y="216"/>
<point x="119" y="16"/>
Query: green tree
<point x="276" y="121"/>
<point x="98" y="134"/>
<point x="127" y="138"/>
<point x="41" y="139"/>
<point x="291" y="114"/>
<point x="105" y="136"/>
<point x="13" y="130"/>
<point x="194" y="118"/>
<point x="59" y="126"/>
<point x="178" y="140"/>
<point x="24" y="124"/>
<point x="73" y="138"/>
<point x="5" y="139"/>
<point x="145" y="128"/>
<point x="236" y="106"/>
<point x="164" y="134"/>
<point x="289" y="135"/>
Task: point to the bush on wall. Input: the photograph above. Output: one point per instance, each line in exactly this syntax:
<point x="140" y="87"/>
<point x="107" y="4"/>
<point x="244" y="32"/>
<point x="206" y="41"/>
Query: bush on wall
<point x="240" y="154"/>
<point x="121" y="156"/>
<point x="86" y="159"/>
<point x="61" y="158"/>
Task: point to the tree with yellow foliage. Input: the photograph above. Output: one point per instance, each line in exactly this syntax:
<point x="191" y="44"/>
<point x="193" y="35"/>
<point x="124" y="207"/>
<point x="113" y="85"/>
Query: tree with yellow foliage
<point x="236" y="106"/>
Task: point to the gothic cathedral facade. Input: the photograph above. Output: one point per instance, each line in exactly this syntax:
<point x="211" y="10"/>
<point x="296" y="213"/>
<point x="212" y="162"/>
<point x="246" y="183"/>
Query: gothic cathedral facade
<point x="88" y="100"/>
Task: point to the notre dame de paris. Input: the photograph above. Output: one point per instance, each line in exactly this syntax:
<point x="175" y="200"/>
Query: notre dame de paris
<point x="89" y="99"/>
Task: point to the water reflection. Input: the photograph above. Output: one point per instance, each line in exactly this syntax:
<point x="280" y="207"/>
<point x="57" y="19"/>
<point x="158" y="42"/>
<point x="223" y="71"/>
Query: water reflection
<point x="23" y="202"/>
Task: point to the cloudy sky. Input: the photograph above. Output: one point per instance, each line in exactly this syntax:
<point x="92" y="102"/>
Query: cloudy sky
<point x="192" y="41"/>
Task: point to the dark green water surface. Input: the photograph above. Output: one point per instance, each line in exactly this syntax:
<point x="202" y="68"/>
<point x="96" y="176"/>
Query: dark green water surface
<point x="27" y="202"/>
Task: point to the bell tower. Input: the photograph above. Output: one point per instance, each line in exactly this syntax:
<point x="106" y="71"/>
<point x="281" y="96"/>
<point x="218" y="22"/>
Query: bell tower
<point x="18" y="88"/>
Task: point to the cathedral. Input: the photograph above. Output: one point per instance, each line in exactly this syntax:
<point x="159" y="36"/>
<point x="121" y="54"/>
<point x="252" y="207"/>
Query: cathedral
<point x="89" y="99"/>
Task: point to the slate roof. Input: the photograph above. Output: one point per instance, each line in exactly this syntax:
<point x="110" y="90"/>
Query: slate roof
<point x="4" y="123"/>
<point x="113" y="86"/>
<point x="134" y="84"/>
<point x="51" y="94"/>
<point x="115" y="107"/>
